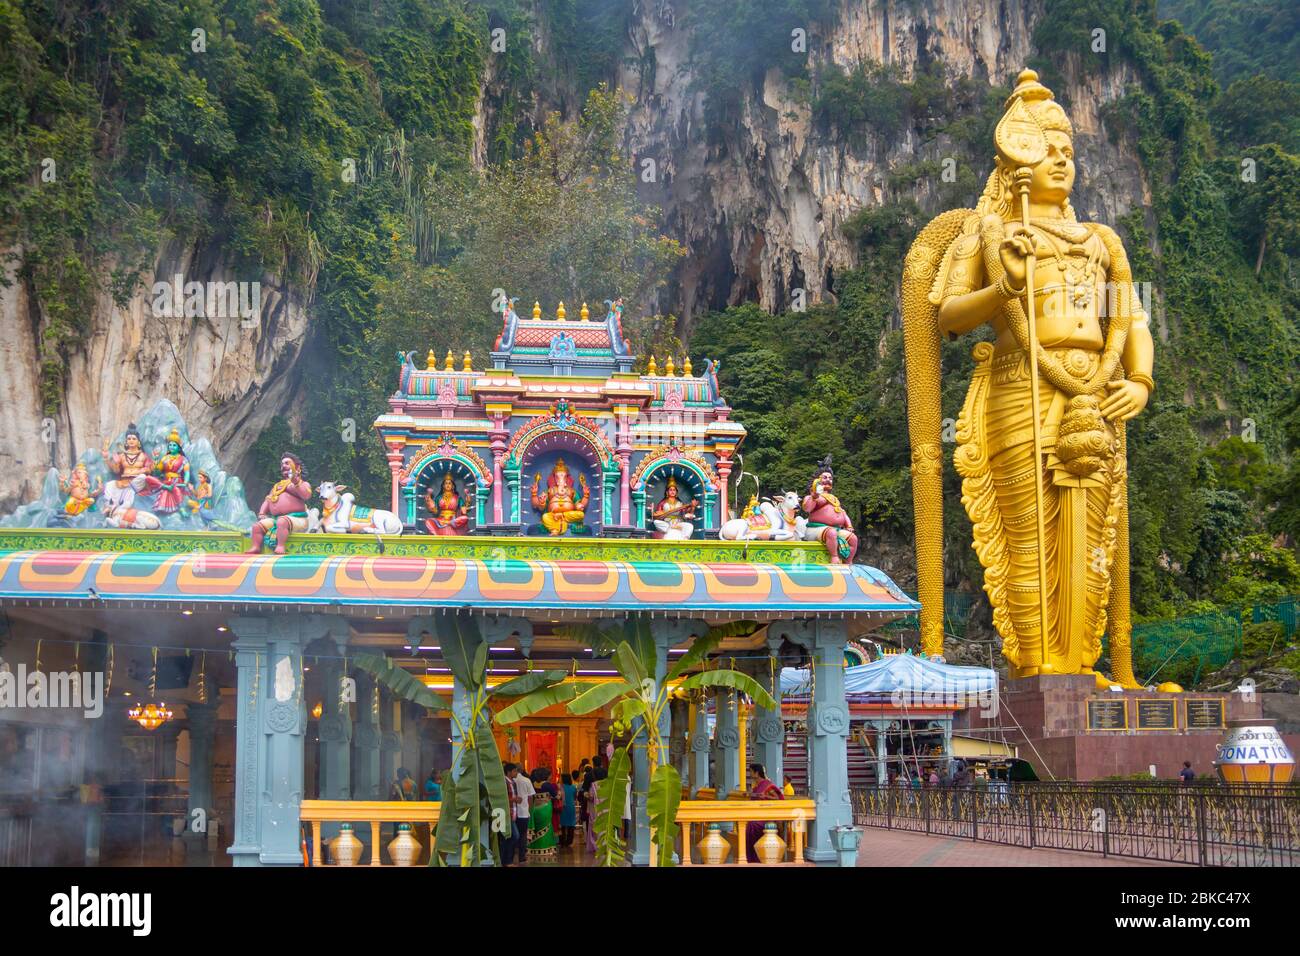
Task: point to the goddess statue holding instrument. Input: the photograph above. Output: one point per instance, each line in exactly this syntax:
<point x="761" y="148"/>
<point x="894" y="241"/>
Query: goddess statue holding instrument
<point x="1041" y="440"/>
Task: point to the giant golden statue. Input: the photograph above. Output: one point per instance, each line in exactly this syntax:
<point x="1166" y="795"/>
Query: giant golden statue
<point x="1041" y="446"/>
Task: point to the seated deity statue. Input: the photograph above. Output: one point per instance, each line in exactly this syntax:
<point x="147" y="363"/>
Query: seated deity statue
<point x="673" y="518"/>
<point x="560" y="505"/>
<point x="450" y="512"/>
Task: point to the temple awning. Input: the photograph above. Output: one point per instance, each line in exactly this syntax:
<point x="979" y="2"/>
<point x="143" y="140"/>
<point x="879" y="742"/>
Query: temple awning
<point x="751" y="591"/>
<point x="905" y="674"/>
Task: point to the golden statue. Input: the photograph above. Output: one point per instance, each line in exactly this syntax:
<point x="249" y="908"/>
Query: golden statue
<point x="560" y="505"/>
<point x="1040" y="445"/>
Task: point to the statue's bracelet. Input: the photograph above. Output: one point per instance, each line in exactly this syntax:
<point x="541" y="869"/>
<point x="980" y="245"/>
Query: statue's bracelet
<point x="1143" y="379"/>
<point x="1006" y="290"/>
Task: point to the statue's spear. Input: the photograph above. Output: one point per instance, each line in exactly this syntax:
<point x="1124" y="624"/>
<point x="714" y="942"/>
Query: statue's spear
<point x="1021" y="140"/>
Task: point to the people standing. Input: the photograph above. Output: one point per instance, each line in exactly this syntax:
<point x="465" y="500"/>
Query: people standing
<point x="1187" y="774"/>
<point x="568" y="811"/>
<point x="788" y="789"/>
<point x="506" y="844"/>
<point x="433" y="786"/>
<point x="760" y="789"/>
<point x="523" y="811"/>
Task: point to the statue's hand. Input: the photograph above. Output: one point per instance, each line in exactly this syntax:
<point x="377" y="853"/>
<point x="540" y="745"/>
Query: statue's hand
<point x="1125" y="401"/>
<point x="1013" y="252"/>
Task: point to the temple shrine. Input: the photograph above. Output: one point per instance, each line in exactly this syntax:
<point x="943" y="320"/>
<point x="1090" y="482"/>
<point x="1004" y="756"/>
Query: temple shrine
<point x="559" y="437"/>
<point x="283" y="669"/>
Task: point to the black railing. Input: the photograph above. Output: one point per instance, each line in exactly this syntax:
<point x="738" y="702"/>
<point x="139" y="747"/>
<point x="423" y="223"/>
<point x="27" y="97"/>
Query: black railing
<point x="1201" y="825"/>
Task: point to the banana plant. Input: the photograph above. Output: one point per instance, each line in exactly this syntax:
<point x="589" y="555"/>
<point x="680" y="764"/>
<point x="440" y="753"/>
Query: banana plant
<point x="477" y="793"/>
<point x="636" y="702"/>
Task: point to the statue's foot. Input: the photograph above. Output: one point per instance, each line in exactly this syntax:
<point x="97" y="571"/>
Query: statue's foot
<point x="279" y="549"/>
<point x="253" y="550"/>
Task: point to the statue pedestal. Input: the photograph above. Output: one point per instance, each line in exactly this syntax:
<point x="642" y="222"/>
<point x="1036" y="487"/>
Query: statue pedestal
<point x="1070" y="730"/>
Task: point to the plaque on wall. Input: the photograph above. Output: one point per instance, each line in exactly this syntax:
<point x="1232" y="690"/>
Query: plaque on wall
<point x="1157" y="714"/>
<point x="1107" y="714"/>
<point x="1204" y="713"/>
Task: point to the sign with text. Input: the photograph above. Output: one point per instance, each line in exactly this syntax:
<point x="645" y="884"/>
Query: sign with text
<point x="1157" y="714"/>
<point x="1203" y="713"/>
<point x="1107" y="714"/>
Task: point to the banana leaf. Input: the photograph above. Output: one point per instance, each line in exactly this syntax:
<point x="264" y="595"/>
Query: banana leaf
<point x="537" y="700"/>
<point x="700" y="648"/>
<point x="400" y="682"/>
<point x="527" y="683"/>
<point x="733" y="679"/>
<point x="630" y="665"/>
<point x="463" y="648"/>
<point x="610" y="850"/>
<point x="661" y="806"/>
<point x="598" y="695"/>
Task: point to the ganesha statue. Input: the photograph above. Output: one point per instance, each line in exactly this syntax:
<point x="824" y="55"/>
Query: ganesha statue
<point x="561" y="505"/>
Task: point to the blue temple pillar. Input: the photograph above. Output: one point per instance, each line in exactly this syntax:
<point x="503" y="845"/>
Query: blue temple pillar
<point x="366" y="781"/>
<point x="335" y="732"/>
<point x="726" y="744"/>
<point x="678" y="716"/>
<point x="202" y="718"/>
<point x="769" y="729"/>
<point x="390" y="744"/>
<point x="828" y="731"/>
<point x="271" y="720"/>
<point x="666" y="635"/>
<point x="698" y="745"/>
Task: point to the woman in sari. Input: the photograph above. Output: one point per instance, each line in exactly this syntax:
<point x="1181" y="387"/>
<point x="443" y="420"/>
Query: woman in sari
<point x="541" y="832"/>
<point x="760" y="789"/>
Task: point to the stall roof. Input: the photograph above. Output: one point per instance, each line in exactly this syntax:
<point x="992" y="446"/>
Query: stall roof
<point x="755" y="591"/>
<point x="907" y="674"/>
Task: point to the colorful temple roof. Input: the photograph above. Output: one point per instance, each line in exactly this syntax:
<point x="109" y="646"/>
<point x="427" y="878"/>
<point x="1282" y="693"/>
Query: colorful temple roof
<point x="210" y="581"/>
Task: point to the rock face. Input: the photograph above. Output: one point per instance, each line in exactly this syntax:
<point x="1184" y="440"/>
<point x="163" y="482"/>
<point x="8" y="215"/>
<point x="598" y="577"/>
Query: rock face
<point x="759" y="203"/>
<point x="228" y="375"/>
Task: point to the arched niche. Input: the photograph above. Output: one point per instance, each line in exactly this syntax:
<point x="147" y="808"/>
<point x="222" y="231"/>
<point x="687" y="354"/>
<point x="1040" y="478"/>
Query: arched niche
<point x="696" y="481"/>
<point x="427" y="471"/>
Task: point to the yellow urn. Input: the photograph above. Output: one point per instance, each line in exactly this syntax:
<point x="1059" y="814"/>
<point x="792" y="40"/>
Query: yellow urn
<point x="404" y="849"/>
<point x="770" y="848"/>
<point x="345" y="849"/>
<point x="714" y="848"/>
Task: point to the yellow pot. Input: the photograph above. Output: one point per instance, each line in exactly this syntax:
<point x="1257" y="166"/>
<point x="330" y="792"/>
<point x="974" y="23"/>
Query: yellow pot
<point x="404" y="850"/>
<point x="714" y="848"/>
<point x="770" y="848"/>
<point x="345" y="849"/>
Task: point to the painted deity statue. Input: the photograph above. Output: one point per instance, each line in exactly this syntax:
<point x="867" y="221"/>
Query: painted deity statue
<point x="81" y="496"/>
<point x="559" y="504"/>
<point x="284" y="509"/>
<point x="450" y="513"/>
<point x="1041" y="443"/>
<point x="131" y="464"/>
<point x="199" y="501"/>
<point x="172" y="471"/>
<point x="828" y="522"/>
<point x="673" y="518"/>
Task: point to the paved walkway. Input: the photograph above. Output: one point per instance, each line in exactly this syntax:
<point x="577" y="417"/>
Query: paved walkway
<point x="882" y="847"/>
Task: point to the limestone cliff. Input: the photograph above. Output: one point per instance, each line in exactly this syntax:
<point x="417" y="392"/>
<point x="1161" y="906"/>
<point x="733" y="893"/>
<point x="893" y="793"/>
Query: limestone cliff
<point x="758" y="201"/>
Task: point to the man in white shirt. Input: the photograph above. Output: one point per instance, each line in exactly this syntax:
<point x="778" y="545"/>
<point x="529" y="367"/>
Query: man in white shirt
<point x="523" y="810"/>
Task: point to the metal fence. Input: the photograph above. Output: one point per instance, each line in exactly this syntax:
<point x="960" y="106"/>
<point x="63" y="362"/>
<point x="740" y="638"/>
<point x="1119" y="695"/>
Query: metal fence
<point x="1201" y="825"/>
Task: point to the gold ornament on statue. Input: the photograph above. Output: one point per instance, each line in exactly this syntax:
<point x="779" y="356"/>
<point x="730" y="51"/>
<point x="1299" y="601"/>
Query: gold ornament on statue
<point x="1041" y="438"/>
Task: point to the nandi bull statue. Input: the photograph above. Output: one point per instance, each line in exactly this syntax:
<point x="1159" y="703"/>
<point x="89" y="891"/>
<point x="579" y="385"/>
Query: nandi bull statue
<point x="773" y="519"/>
<point x="341" y="516"/>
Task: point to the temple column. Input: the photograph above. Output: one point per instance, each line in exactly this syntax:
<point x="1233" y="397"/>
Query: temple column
<point x="828" y="730"/>
<point x="271" y="719"/>
<point x="98" y="737"/>
<point x="678" y="719"/>
<point x="202" y="719"/>
<point x="723" y="468"/>
<point x="769" y="728"/>
<point x="698" y="760"/>
<point x="367" y="784"/>
<point x="390" y="743"/>
<point x="726" y="744"/>
<point x="666" y="635"/>
<point x="882" y="753"/>
<point x="335" y="730"/>
<point x="394" y="456"/>
<point x="497" y="436"/>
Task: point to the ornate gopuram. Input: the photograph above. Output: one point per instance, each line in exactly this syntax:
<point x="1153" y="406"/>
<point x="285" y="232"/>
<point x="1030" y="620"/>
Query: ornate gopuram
<point x="559" y="437"/>
<point x="265" y="667"/>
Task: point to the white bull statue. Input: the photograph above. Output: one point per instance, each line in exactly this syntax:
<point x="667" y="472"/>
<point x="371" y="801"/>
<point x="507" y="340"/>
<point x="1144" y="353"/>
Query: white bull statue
<point x="118" y="502"/>
<point x="342" y="516"/>
<point x="774" y="519"/>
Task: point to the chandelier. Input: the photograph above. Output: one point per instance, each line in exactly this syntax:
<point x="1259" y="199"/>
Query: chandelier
<point x="150" y="716"/>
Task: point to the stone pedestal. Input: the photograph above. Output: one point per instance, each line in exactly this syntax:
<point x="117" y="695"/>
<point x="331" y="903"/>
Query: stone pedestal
<point x="1047" y="718"/>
